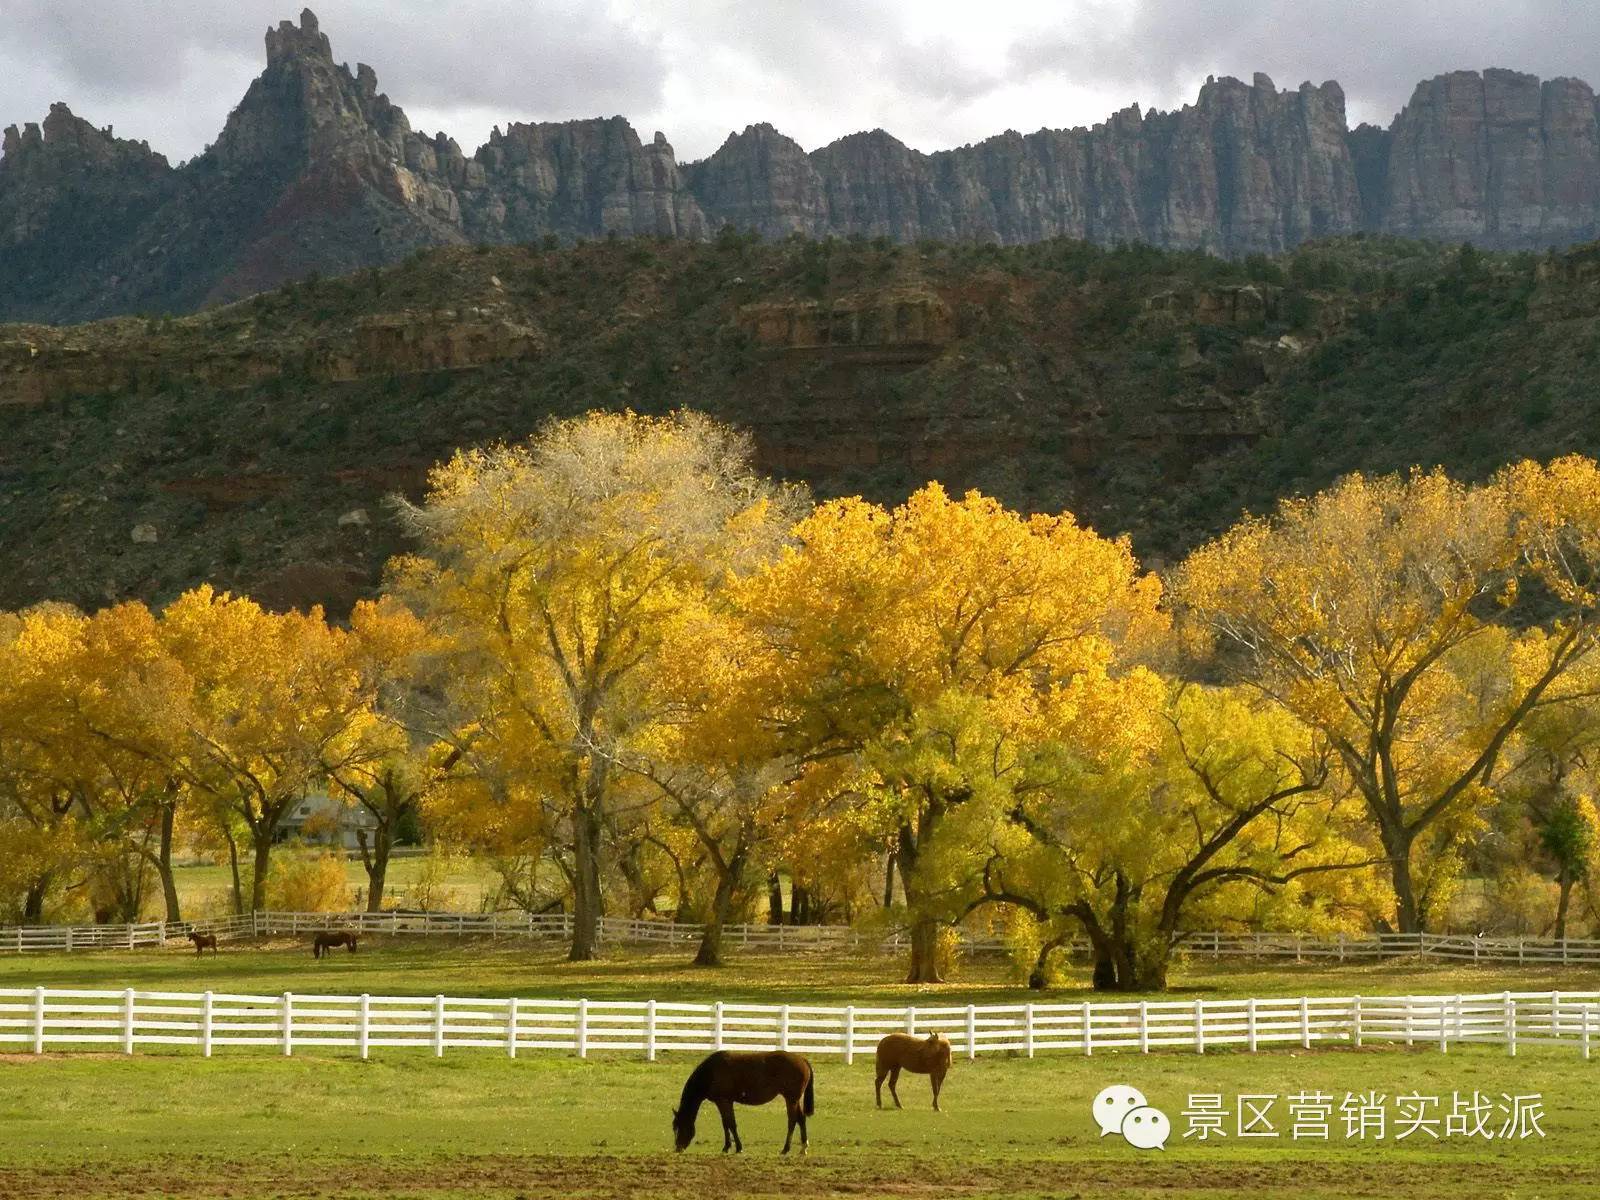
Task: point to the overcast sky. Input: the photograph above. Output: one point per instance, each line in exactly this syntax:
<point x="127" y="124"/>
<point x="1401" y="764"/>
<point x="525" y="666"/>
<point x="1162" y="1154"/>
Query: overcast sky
<point x="936" y="73"/>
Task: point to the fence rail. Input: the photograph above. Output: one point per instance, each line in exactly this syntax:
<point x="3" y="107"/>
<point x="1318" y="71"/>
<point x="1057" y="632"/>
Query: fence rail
<point x="619" y="930"/>
<point x="41" y="1019"/>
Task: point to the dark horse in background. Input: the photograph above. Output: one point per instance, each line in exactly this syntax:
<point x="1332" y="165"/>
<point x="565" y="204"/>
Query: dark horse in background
<point x="922" y="1056"/>
<point x="203" y="942"/>
<point x="324" y="942"/>
<point x="731" y="1077"/>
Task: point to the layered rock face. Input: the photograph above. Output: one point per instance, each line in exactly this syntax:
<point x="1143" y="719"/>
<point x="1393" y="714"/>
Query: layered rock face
<point x="317" y="171"/>
<point x="1500" y="159"/>
<point x="1246" y="168"/>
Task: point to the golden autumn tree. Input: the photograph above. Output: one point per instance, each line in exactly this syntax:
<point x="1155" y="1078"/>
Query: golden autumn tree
<point x="275" y="702"/>
<point x="1372" y="612"/>
<point x="1214" y="815"/>
<point x="555" y="568"/>
<point x="390" y="757"/>
<point x="42" y="828"/>
<point x="890" y="624"/>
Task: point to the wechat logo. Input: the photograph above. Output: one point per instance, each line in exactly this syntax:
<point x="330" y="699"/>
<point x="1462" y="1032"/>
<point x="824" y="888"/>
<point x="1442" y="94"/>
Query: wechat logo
<point x="1123" y="1109"/>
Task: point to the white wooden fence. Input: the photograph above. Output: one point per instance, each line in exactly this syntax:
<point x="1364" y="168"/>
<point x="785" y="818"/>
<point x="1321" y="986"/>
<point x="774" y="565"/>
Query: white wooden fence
<point x="41" y="1019"/>
<point x="618" y="930"/>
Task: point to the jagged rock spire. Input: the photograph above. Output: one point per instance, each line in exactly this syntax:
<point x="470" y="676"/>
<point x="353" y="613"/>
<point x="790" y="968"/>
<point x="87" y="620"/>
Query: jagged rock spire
<point x="288" y="41"/>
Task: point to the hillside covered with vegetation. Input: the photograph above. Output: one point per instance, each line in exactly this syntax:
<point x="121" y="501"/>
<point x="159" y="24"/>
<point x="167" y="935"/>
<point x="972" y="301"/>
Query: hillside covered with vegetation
<point x="1152" y="393"/>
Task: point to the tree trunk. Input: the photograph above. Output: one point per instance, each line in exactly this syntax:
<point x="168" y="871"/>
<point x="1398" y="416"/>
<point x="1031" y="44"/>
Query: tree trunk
<point x="1038" y="977"/>
<point x="586" y="885"/>
<point x="710" y="952"/>
<point x="378" y="864"/>
<point x="33" y="900"/>
<point x="774" y="899"/>
<point x="888" y="880"/>
<point x="1397" y="844"/>
<point x="233" y="865"/>
<point x="262" y="841"/>
<point x="169" y="883"/>
<point x="1566" y="882"/>
<point x="925" y="951"/>
<point x="799" y="904"/>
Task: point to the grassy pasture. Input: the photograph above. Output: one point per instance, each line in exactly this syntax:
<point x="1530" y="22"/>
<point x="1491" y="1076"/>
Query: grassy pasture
<point x="515" y="967"/>
<point x="478" y="1125"/>
<point x="474" y="1124"/>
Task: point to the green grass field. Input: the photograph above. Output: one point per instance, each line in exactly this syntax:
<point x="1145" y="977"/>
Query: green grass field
<point x="474" y="1124"/>
<point x="506" y="967"/>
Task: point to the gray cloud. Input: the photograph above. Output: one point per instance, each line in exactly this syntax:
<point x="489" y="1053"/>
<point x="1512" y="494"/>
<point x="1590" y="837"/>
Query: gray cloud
<point x="935" y="72"/>
<point x="1378" y="50"/>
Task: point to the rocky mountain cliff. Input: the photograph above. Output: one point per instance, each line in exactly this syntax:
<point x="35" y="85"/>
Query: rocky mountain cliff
<point x="316" y="171"/>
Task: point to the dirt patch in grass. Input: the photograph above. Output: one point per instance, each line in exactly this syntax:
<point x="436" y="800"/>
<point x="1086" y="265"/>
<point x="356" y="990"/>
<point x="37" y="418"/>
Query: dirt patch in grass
<point x="695" y="1176"/>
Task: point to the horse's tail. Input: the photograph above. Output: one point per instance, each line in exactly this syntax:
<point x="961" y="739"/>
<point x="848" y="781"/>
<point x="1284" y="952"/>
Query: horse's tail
<point x="811" y="1094"/>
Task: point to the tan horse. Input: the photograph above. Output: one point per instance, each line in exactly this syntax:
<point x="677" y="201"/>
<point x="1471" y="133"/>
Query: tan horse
<point x="921" y="1056"/>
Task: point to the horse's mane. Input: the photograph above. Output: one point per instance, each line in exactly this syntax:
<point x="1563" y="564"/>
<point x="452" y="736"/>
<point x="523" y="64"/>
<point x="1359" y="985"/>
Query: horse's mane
<point x="696" y="1086"/>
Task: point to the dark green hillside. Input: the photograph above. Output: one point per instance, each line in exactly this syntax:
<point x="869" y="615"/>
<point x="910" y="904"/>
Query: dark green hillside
<point x="1151" y="392"/>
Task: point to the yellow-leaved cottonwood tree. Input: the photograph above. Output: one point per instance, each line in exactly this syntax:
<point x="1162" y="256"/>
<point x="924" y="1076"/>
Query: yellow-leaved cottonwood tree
<point x="884" y="617"/>
<point x="1368" y="610"/>
<point x="555" y="568"/>
<point x="1218" y="819"/>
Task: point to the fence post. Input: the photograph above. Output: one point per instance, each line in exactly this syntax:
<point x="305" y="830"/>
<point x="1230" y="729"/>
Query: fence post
<point x="438" y="1026"/>
<point x="1510" y="1006"/>
<point x="1458" y="1016"/>
<point x="972" y="1032"/>
<point x="650" y="1030"/>
<point x="161" y="935"/>
<point x="69" y="939"/>
<point x="364" y="1029"/>
<point x="1587" y="1010"/>
<point x="583" y="1029"/>
<point x="127" y="1021"/>
<point x="288" y="1024"/>
<point x="1088" y="1040"/>
<point x="1199" y="1027"/>
<point x="130" y="937"/>
<point x="1355" y="1020"/>
<point x="911" y="1019"/>
<point x="1250" y="1023"/>
<point x="716" y="1025"/>
<point x="1305" y="1023"/>
<point x="1408" y="1020"/>
<point x="205" y="1024"/>
<point x="511" y="1028"/>
<point x="1144" y="1027"/>
<point x="783" y="1027"/>
<point x="849" y="1034"/>
<point x="1027" y="1028"/>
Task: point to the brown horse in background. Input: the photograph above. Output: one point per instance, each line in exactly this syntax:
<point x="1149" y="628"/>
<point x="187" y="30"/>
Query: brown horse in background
<point x="921" y="1056"/>
<point x="325" y="942"/>
<point x="203" y="942"/>
<point x="745" y="1077"/>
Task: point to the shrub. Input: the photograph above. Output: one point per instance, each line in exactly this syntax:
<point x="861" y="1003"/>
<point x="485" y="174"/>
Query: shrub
<point x="307" y="881"/>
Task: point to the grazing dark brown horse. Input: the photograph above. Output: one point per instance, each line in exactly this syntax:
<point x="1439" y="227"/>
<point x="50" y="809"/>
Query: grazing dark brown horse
<point x="731" y="1077"/>
<point x="324" y="942"/>
<point x="921" y="1056"/>
<point x="203" y="942"/>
